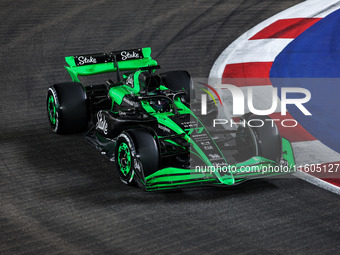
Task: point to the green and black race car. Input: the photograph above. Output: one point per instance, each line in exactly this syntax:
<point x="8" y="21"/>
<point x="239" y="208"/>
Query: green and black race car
<point x="149" y="124"/>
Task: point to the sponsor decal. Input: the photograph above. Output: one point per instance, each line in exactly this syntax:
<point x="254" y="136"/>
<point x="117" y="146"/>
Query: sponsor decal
<point x="165" y="129"/>
<point x="137" y="165"/>
<point x="91" y="59"/>
<point x="207" y="148"/>
<point x="101" y="123"/>
<point x="129" y="102"/>
<point x="82" y="60"/>
<point x="189" y="124"/>
<point x="220" y="164"/>
<point x="122" y="113"/>
<point x="203" y="137"/>
<point x="128" y="54"/>
<point x="214" y="156"/>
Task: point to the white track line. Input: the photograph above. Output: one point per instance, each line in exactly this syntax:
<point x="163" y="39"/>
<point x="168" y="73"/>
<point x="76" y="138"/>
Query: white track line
<point x="318" y="182"/>
<point x="248" y="51"/>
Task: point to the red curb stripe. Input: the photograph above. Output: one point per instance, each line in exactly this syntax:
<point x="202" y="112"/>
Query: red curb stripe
<point x="285" y="28"/>
<point x="328" y="172"/>
<point x="247" y="74"/>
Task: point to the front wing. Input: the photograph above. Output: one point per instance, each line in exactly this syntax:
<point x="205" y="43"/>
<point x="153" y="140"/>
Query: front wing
<point x="255" y="167"/>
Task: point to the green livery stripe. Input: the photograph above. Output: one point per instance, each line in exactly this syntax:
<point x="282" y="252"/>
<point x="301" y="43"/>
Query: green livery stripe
<point x="287" y="152"/>
<point x="170" y="171"/>
<point x="182" y="184"/>
<point x="176" y="182"/>
<point x="176" y="174"/>
<point x="174" y="143"/>
<point x="175" y="178"/>
<point x="183" y="108"/>
<point x="254" y="161"/>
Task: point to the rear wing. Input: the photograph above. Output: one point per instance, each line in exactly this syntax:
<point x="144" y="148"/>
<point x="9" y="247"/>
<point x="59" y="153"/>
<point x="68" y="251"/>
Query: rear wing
<point x="102" y="63"/>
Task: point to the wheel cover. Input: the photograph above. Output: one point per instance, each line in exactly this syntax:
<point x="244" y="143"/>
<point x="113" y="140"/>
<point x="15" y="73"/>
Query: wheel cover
<point x="124" y="158"/>
<point x="51" y="108"/>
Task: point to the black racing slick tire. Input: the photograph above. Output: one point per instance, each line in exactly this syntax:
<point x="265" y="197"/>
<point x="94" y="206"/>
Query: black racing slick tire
<point x="179" y="80"/>
<point x="262" y="136"/>
<point x="67" y="108"/>
<point x="136" y="155"/>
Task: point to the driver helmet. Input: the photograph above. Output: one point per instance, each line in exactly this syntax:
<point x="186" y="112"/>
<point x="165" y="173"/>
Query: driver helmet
<point x="161" y="105"/>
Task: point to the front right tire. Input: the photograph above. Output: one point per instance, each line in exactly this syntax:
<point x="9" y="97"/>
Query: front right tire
<point x="179" y="80"/>
<point x="264" y="141"/>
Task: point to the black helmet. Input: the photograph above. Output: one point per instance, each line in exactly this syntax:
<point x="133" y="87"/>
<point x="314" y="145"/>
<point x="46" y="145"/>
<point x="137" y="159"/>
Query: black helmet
<point x="161" y="105"/>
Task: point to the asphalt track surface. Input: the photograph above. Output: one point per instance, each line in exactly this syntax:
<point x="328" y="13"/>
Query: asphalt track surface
<point x="60" y="196"/>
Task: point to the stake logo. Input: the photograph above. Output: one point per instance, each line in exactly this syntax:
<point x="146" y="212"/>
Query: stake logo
<point x="83" y="60"/>
<point x="129" y="55"/>
<point x="101" y="123"/>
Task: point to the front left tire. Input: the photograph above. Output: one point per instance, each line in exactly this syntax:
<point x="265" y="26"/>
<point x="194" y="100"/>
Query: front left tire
<point x="67" y="108"/>
<point x="136" y="155"/>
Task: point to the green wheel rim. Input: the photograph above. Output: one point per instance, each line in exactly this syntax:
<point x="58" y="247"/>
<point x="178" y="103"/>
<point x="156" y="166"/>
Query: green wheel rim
<point x="124" y="158"/>
<point x="51" y="108"/>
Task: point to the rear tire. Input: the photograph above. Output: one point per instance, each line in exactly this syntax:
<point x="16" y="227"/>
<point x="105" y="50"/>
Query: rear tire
<point x="136" y="153"/>
<point x="67" y="108"/>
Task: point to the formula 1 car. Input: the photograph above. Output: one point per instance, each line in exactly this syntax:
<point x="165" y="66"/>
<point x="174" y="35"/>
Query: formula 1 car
<point x="148" y="124"/>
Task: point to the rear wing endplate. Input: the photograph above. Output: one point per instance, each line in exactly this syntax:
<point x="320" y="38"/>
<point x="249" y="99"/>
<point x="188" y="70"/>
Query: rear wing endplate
<point x="97" y="63"/>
